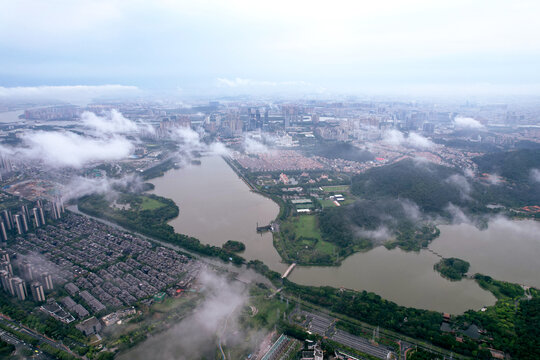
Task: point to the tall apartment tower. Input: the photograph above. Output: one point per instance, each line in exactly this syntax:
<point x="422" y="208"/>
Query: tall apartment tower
<point x="36" y="289"/>
<point x="6" y="265"/>
<point x="24" y="210"/>
<point x="42" y="216"/>
<point x="27" y="270"/>
<point x="24" y="222"/>
<point x="46" y="281"/>
<point x="36" y="217"/>
<point x="4" y="256"/>
<point x="6" y="216"/>
<point x="18" y="224"/>
<point x="5" y="278"/>
<point x="3" y="233"/>
<point x="19" y="288"/>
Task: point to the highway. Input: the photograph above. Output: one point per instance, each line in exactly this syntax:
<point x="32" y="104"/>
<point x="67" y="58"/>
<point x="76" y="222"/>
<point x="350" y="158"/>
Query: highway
<point x="360" y="344"/>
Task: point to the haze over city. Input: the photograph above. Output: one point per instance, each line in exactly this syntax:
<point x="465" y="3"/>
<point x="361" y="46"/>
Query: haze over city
<point x="269" y="180"/>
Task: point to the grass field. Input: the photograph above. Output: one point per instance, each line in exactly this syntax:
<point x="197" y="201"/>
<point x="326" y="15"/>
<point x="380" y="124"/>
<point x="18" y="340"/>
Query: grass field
<point x="336" y="188"/>
<point x="306" y="226"/>
<point x="326" y="203"/>
<point x="303" y="242"/>
<point x="150" y="204"/>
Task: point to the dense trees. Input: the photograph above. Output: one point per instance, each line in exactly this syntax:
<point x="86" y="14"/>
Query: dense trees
<point x="528" y="330"/>
<point x="234" y="246"/>
<point x="423" y="183"/>
<point x="452" y="268"/>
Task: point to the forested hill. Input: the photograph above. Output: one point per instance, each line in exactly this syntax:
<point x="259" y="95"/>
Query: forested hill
<point x="424" y="183"/>
<point x="515" y="166"/>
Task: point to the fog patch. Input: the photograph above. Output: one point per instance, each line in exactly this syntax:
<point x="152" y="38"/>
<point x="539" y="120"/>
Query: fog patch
<point x="378" y="236"/>
<point x="397" y="138"/>
<point x="457" y="215"/>
<point x="462" y="185"/>
<point x="113" y="122"/>
<point x="190" y="142"/>
<point x="81" y="186"/>
<point x="412" y="210"/>
<point x="68" y="149"/>
<point x="254" y="146"/>
<point x="535" y="175"/>
<point x="197" y="336"/>
<point x="461" y="122"/>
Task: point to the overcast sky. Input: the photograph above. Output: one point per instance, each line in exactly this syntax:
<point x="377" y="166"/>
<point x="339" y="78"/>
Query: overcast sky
<point x="298" y="45"/>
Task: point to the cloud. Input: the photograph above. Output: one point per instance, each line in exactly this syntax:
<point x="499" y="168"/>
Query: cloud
<point x="253" y="146"/>
<point x="493" y="179"/>
<point x="412" y="210"/>
<point x="535" y="175"/>
<point x="468" y="173"/>
<point x="397" y="138"/>
<point x="75" y="93"/>
<point x="81" y="186"/>
<point x="458" y="216"/>
<point x="68" y="149"/>
<point x="461" y="122"/>
<point x="189" y="142"/>
<point x="113" y="122"/>
<point x="462" y="184"/>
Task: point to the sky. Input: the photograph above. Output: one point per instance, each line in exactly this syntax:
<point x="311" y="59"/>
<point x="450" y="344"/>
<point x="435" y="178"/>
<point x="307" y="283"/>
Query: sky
<point x="297" y="46"/>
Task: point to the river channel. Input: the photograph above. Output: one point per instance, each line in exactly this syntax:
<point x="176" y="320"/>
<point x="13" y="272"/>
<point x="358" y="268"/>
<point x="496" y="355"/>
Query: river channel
<point x="216" y="205"/>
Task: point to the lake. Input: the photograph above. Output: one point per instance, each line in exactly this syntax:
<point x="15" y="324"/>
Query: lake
<point x="216" y="206"/>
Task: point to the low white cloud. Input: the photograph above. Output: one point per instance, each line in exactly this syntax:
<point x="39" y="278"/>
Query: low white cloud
<point x="461" y="122"/>
<point x="113" y="122"/>
<point x="68" y="149"/>
<point x="494" y="179"/>
<point x="254" y="146"/>
<point x="535" y="175"/>
<point x="189" y="141"/>
<point x="81" y="186"/>
<point x="397" y="138"/>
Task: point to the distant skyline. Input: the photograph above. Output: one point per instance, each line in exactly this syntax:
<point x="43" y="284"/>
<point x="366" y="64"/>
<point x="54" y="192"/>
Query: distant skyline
<point x="273" y="47"/>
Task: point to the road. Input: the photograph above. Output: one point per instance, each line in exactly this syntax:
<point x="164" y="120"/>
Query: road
<point x="360" y="344"/>
<point x="42" y="338"/>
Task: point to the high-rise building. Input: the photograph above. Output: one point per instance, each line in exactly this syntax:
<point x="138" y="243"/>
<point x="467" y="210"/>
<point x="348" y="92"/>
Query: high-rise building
<point x="27" y="270"/>
<point x="4" y="256"/>
<point x="18" y="224"/>
<point x="36" y="217"/>
<point x="6" y="215"/>
<point x="42" y="216"/>
<point x="36" y="289"/>
<point x="19" y="288"/>
<point x="46" y="281"/>
<point x="24" y="210"/>
<point x="3" y="232"/>
<point x="6" y="265"/>
<point x="24" y="222"/>
<point x="5" y="278"/>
